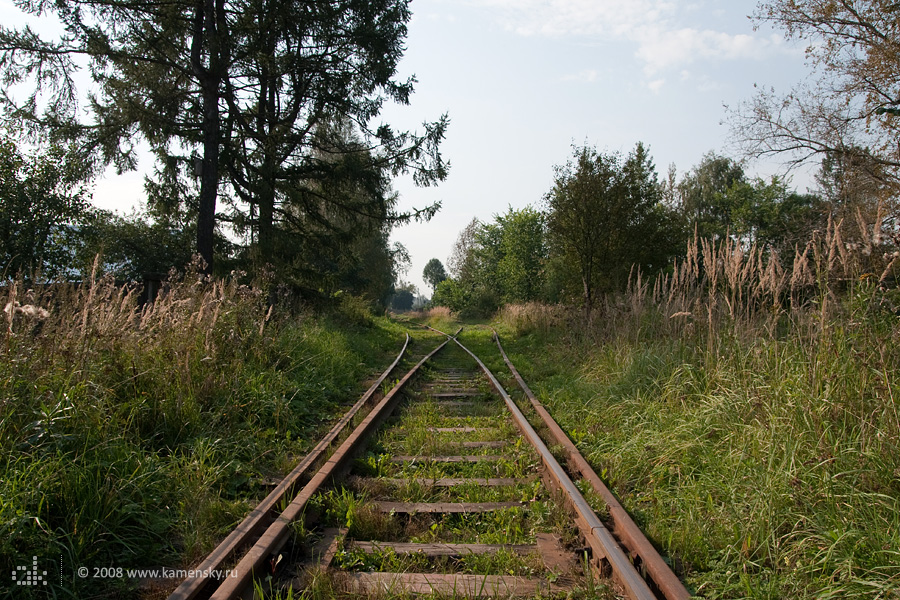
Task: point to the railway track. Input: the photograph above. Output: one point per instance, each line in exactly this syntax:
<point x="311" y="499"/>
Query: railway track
<point x="442" y="487"/>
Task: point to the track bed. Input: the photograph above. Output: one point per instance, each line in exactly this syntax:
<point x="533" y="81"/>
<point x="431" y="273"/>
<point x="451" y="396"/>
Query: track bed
<point x="439" y="486"/>
<point x="448" y="499"/>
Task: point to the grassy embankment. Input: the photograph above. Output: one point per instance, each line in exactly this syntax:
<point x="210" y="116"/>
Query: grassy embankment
<point x="138" y="439"/>
<point x="756" y="442"/>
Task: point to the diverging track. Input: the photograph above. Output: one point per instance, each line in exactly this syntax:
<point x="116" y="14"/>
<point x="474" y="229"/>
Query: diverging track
<point x="442" y="488"/>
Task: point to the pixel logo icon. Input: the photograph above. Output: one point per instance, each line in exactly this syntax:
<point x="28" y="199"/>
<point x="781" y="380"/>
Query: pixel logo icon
<point x="24" y="576"/>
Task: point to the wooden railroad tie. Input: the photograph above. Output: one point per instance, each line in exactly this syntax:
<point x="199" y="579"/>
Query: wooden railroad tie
<point x="457" y="585"/>
<point x="548" y="546"/>
<point x="473" y="458"/>
<point x="447" y="481"/>
<point x="458" y="429"/>
<point x="489" y="444"/>
<point x="439" y="549"/>
<point x="443" y="507"/>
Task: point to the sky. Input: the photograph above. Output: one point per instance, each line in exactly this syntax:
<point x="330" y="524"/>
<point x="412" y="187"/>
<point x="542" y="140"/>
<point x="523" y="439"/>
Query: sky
<point x="524" y="80"/>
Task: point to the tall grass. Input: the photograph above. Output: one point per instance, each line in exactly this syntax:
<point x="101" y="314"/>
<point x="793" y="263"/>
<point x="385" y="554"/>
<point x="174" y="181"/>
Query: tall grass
<point x="533" y="317"/>
<point x="746" y="413"/>
<point x="137" y="437"/>
<point x="438" y="317"/>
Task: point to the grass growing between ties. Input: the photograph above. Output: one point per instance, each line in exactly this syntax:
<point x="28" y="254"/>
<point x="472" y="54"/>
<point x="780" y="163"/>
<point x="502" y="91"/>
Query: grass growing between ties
<point x="139" y="438"/>
<point x="757" y="445"/>
<point x="504" y="561"/>
<point x="395" y="471"/>
<point x="513" y="525"/>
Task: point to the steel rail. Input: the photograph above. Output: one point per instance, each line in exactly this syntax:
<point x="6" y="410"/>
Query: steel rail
<point x="597" y="535"/>
<point x="449" y="335"/>
<point x="190" y="587"/>
<point x="275" y="536"/>
<point x="624" y="527"/>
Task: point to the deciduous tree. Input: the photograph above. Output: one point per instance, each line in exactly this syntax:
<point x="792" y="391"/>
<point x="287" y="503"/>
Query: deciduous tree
<point x="43" y="204"/>
<point x="497" y="262"/>
<point x="703" y="195"/>
<point x="606" y="215"/>
<point x="434" y="273"/>
<point x="135" y="246"/>
<point x="773" y="216"/>
<point x="850" y="108"/>
<point x="251" y="86"/>
<point x="522" y="252"/>
<point x="580" y="206"/>
<point x="461" y="261"/>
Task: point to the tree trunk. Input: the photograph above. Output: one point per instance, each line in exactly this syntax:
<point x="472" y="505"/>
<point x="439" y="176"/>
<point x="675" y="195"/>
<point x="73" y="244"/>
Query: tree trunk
<point x="266" y="122"/>
<point x="205" y="29"/>
<point x="588" y="300"/>
<point x="209" y="179"/>
<point x="266" y="200"/>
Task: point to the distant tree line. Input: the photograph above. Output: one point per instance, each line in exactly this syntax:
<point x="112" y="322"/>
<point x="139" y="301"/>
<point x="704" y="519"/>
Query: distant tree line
<point x="608" y="216"/>
<point x="407" y="297"/>
<point x="262" y="118"/>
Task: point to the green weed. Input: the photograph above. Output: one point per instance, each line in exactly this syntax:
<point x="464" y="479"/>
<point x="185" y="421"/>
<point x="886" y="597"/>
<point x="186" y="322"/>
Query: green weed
<point x="139" y="437"/>
<point x="759" y="451"/>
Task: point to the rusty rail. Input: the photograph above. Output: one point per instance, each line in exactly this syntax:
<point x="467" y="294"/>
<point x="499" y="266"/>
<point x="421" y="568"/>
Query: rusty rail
<point x="266" y="533"/>
<point x="625" y="529"/>
<point x="254" y="522"/>
<point x="597" y="536"/>
<point x="275" y="536"/>
<point x="449" y="335"/>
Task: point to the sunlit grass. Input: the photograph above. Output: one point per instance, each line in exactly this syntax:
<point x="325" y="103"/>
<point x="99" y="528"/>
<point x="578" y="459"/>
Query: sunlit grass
<point x="764" y="462"/>
<point x="138" y="438"/>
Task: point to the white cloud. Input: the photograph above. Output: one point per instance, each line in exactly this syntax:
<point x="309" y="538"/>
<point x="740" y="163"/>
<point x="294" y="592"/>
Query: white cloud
<point x="576" y="17"/>
<point x="660" y="49"/>
<point x="656" y="85"/>
<point x="652" y="25"/>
